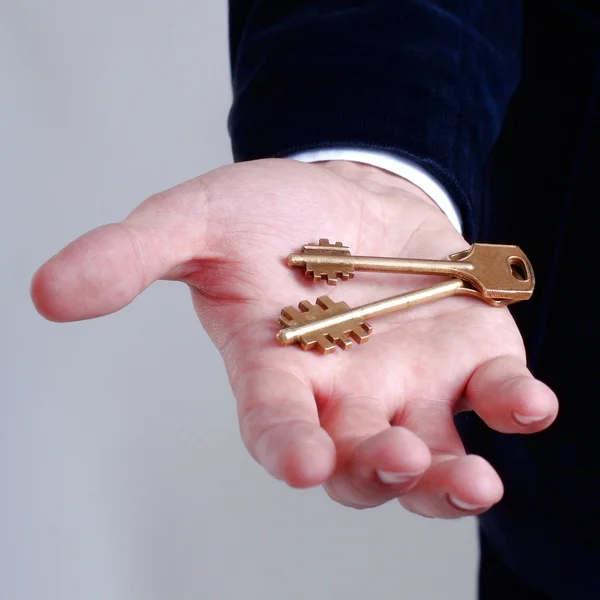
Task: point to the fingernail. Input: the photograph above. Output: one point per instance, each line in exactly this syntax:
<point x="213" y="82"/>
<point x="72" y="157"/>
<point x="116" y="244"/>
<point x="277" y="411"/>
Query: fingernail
<point x="391" y="477"/>
<point x="526" y="419"/>
<point x="462" y="505"/>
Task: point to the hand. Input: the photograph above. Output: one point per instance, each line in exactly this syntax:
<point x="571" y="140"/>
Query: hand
<point x="371" y="424"/>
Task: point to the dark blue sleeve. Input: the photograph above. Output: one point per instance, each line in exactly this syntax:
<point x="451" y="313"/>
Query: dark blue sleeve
<point x="428" y="80"/>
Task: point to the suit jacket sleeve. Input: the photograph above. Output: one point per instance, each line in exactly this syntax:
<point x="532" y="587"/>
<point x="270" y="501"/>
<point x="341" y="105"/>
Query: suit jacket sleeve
<point x="428" y="80"/>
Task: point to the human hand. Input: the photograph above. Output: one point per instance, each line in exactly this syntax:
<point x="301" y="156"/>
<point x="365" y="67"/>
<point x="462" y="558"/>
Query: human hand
<point x="371" y="424"/>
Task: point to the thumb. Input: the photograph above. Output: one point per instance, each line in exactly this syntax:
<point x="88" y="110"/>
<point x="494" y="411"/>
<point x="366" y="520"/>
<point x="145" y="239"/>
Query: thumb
<point x="505" y="394"/>
<point x="105" y="269"/>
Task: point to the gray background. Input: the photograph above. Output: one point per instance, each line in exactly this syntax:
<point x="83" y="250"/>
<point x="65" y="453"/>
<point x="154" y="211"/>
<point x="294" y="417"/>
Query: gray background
<point x="122" y="472"/>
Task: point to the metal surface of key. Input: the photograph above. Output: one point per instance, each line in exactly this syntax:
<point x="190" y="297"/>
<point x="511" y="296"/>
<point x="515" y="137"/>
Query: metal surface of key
<point x="339" y="332"/>
<point x="325" y="269"/>
<point x="494" y="270"/>
<point x="328" y="323"/>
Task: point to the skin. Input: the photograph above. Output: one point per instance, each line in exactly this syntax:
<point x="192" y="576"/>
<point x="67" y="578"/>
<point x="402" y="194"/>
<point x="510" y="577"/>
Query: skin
<point x="371" y="424"/>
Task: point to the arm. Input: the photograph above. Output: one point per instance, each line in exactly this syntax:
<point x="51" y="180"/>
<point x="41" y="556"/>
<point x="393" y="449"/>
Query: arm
<point x="427" y="81"/>
<point x="375" y="423"/>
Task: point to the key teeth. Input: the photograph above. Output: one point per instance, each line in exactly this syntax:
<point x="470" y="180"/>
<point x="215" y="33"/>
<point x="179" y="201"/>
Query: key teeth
<point x="329" y="275"/>
<point x="305" y="306"/>
<point x="326" y="345"/>
<point x="320" y="343"/>
<point x="325" y="302"/>
<point x="345" y="275"/>
<point x="324" y="246"/>
<point x="341" y="335"/>
<point x="306" y="345"/>
<point x="291" y="315"/>
<point x="330" y="349"/>
<point x="288" y="312"/>
<point x="344" y="342"/>
<point x="325" y="242"/>
<point x="316" y="277"/>
<point x="361" y="333"/>
<point x="286" y="316"/>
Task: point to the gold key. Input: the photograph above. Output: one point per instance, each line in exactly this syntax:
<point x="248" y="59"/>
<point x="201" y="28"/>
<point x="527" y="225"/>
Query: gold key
<point x="493" y="270"/>
<point x="326" y="324"/>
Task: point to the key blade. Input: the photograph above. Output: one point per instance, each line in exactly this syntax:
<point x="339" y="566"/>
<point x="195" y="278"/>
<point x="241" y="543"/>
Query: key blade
<point x="322" y="339"/>
<point x="319" y="269"/>
<point x="329" y="273"/>
<point x="325" y="247"/>
<point x="308" y="313"/>
<point x="342" y="336"/>
<point x="500" y="271"/>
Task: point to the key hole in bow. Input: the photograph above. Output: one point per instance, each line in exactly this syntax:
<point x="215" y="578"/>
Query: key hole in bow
<point x="518" y="268"/>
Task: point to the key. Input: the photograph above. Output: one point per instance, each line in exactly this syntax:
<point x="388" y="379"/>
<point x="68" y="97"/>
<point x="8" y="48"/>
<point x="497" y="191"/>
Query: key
<point x="495" y="270"/>
<point x="328" y="324"/>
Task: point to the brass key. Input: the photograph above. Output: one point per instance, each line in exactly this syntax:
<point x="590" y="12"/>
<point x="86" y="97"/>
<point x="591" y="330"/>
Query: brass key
<point x="492" y="270"/>
<point x="326" y="324"/>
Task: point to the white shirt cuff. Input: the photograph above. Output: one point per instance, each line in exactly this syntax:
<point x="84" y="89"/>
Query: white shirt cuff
<point x="394" y="164"/>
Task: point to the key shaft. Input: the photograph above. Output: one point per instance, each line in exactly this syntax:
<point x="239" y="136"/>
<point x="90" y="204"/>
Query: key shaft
<point x="290" y="335"/>
<point x="378" y="264"/>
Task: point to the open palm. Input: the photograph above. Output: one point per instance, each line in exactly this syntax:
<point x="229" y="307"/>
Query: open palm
<point x="371" y="424"/>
